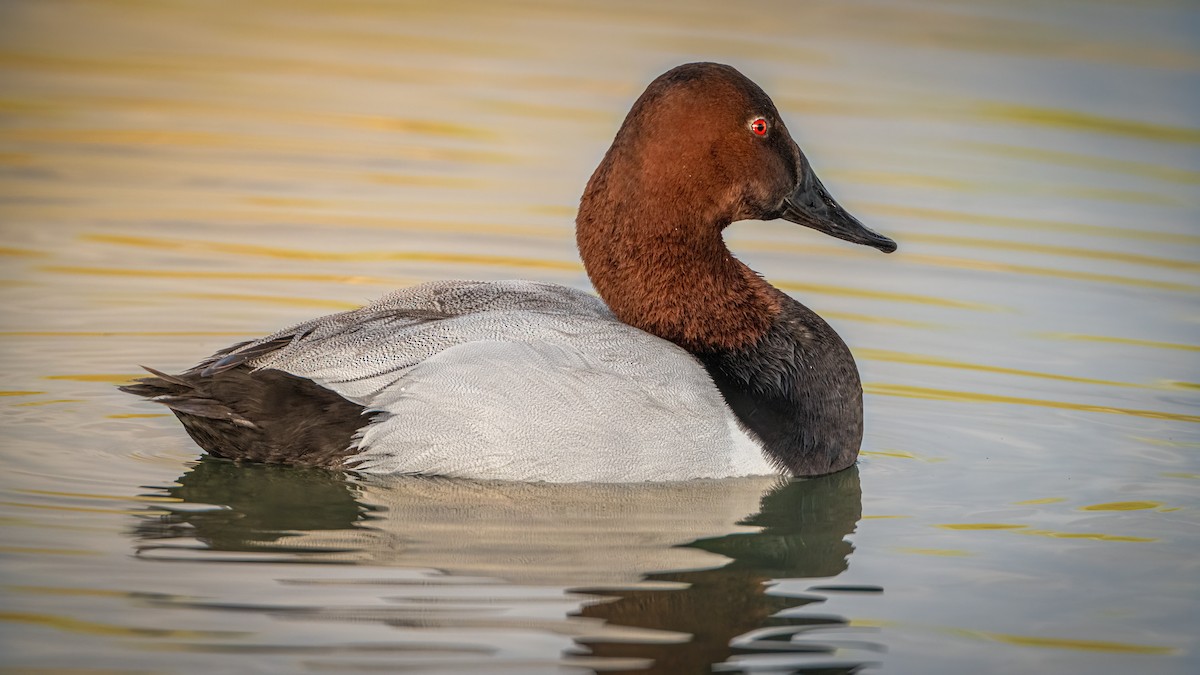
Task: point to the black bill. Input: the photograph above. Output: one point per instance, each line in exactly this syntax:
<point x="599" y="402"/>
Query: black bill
<point x="811" y="206"/>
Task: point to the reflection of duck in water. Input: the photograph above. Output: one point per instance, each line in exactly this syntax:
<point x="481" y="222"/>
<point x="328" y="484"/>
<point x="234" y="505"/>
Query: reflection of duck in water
<point x="804" y="525"/>
<point x="742" y="533"/>
<point x="692" y="366"/>
<point x="255" y="508"/>
<point x="544" y="533"/>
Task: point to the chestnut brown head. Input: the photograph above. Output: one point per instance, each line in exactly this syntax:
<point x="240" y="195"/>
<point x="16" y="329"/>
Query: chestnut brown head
<point x="706" y="142"/>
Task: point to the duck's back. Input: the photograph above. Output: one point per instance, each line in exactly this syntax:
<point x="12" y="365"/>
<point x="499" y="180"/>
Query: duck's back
<point x="508" y="380"/>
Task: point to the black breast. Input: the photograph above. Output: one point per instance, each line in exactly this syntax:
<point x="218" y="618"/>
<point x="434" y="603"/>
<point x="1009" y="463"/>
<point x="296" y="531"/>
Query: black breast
<point x="797" y="390"/>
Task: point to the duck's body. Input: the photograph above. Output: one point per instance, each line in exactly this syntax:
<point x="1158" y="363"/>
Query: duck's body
<point x="695" y="367"/>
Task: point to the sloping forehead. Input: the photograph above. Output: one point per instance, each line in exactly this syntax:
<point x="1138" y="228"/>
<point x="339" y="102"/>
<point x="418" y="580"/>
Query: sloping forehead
<point x="709" y="93"/>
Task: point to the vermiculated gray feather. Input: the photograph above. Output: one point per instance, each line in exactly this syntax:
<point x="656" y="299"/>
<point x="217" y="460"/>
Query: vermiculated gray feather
<point x="513" y="380"/>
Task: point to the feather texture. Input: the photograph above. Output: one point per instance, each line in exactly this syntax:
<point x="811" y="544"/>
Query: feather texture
<point x="512" y="380"/>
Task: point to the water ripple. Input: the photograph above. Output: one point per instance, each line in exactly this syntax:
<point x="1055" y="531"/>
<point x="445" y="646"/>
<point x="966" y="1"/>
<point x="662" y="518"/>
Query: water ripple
<point x="907" y="391"/>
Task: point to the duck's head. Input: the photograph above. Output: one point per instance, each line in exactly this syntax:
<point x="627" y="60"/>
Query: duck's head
<point x="705" y="146"/>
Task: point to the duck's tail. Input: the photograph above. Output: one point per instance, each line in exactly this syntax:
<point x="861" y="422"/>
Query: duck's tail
<point x="258" y="415"/>
<point x="184" y="396"/>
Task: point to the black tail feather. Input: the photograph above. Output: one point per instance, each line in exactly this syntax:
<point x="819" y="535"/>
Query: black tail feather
<point x="177" y="381"/>
<point x="258" y="415"/>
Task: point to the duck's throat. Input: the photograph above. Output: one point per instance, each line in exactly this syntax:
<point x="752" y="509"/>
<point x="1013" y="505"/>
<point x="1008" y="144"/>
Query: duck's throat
<point x="682" y="285"/>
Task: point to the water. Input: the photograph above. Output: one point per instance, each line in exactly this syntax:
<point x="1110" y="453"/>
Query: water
<point x="178" y="176"/>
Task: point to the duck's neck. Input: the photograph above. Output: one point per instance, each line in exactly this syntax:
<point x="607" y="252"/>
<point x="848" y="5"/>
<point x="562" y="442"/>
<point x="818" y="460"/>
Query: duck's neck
<point x="660" y="270"/>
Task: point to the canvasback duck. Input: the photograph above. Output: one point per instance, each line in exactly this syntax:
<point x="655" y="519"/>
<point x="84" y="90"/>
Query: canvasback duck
<point x="691" y="365"/>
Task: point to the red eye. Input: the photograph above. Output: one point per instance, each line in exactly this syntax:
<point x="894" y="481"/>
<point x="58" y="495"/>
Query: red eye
<point x="759" y="126"/>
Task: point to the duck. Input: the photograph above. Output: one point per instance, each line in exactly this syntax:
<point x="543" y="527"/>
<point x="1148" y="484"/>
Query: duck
<point x="689" y="365"/>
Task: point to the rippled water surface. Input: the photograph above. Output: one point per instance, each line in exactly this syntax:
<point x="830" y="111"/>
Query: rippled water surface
<point x="177" y="176"/>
